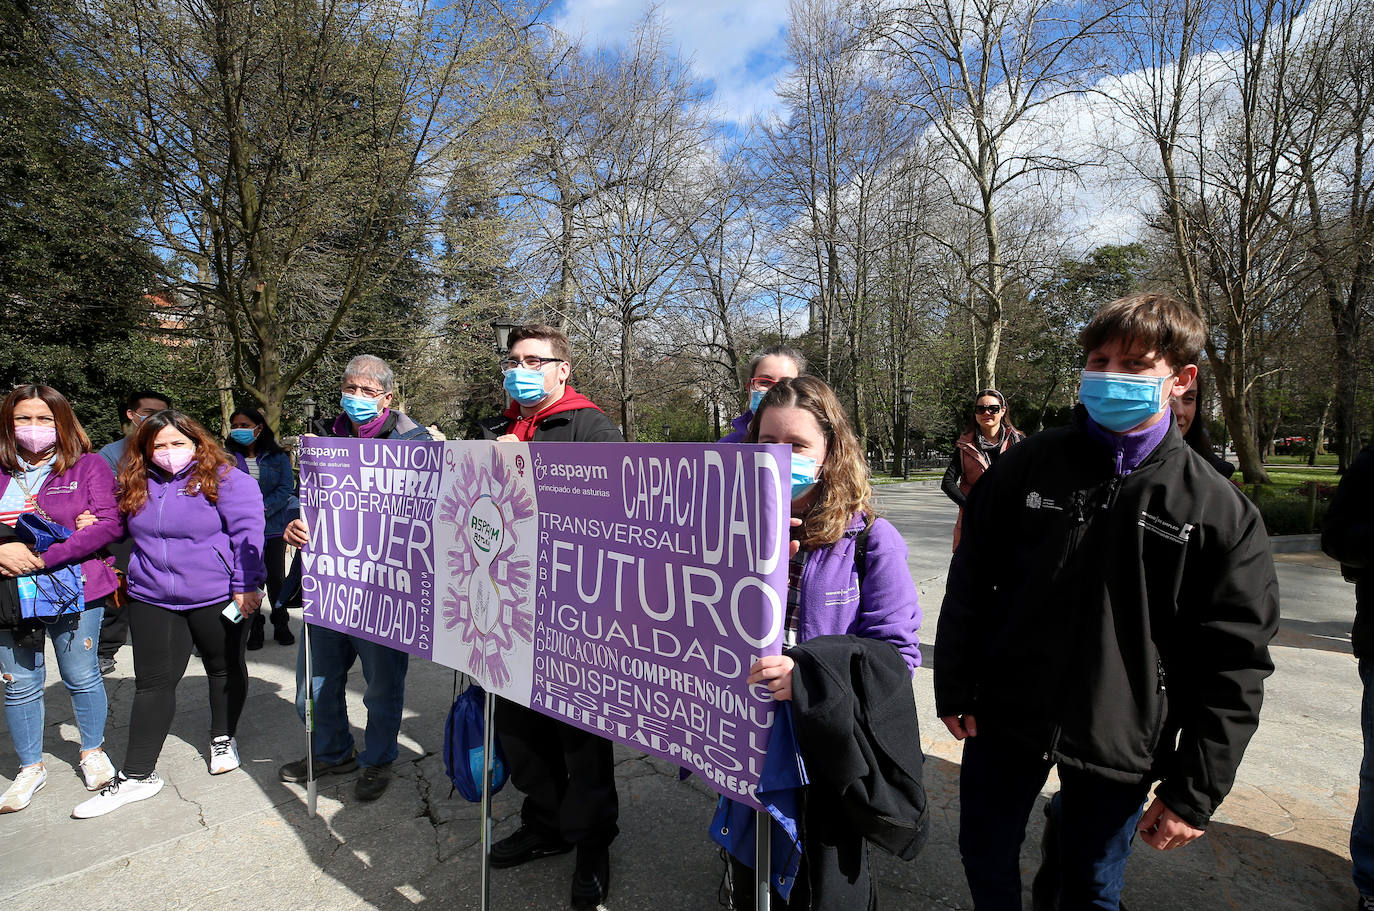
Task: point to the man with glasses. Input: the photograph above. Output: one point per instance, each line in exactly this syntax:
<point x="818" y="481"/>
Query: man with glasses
<point x="766" y="368"/>
<point x="368" y="389"/>
<point x="114" y="626"/>
<point x="567" y="774"/>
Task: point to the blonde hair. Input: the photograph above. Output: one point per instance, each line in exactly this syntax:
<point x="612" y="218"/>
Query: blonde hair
<point x="842" y="485"/>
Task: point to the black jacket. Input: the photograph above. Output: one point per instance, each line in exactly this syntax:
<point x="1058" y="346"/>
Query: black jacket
<point x="855" y="719"/>
<point x="1348" y="536"/>
<point x="1099" y="620"/>
<point x="582" y="425"/>
<point x="397" y="426"/>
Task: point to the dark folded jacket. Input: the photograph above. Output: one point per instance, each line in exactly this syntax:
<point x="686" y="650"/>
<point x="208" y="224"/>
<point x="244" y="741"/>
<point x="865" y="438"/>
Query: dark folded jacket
<point x="26" y="632"/>
<point x="855" y="719"/>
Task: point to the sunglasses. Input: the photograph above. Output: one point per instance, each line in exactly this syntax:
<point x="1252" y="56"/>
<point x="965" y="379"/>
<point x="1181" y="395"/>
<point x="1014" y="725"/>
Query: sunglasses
<point x="986" y="409"/>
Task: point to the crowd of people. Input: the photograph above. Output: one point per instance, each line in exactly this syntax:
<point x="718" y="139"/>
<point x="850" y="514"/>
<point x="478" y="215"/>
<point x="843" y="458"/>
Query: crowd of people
<point x="1113" y="550"/>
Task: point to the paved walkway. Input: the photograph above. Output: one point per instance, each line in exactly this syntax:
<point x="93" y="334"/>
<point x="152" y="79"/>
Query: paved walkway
<point x="243" y="840"/>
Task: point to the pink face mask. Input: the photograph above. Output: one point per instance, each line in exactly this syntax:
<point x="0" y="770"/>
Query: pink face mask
<point x="35" y="439"/>
<point x="173" y="460"/>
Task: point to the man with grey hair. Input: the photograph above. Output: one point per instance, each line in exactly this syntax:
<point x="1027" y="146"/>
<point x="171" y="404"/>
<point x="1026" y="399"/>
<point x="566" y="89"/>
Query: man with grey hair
<point x="368" y="388"/>
<point x="776" y="362"/>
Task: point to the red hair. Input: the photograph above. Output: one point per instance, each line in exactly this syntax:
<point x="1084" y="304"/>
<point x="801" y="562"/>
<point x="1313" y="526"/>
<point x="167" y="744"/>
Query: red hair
<point x="211" y="460"/>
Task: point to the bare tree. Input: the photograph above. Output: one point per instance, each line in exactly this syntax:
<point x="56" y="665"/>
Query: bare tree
<point x="298" y="155"/>
<point x="981" y="73"/>
<point x="1329" y="102"/>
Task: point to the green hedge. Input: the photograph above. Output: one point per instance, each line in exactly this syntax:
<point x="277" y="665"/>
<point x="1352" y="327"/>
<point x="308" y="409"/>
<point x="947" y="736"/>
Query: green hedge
<point x="1290" y="513"/>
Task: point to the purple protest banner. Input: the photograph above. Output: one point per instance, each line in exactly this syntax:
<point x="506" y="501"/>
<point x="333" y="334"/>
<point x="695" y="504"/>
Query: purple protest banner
<point x="622" y="588"/>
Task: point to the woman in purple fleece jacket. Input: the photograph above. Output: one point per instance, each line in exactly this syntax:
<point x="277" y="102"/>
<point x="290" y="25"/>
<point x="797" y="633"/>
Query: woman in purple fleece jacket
<point x="831" y="505"/>
<point x="196" y="523"/>
<point x="50" y="470"/>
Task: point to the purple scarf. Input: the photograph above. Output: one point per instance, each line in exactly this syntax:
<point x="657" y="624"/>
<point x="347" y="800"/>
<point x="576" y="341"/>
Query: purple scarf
<point x="343" y="427"/>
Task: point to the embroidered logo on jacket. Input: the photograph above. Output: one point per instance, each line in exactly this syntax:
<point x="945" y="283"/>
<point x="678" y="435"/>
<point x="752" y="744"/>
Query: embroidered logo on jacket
<point x="1035" y="501"/>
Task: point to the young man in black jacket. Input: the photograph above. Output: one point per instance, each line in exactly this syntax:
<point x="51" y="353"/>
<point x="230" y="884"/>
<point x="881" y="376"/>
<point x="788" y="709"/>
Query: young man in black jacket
<point x="1348" y="536"/>
<point x="1108" y="611"/>
<point x="566" y="773"/>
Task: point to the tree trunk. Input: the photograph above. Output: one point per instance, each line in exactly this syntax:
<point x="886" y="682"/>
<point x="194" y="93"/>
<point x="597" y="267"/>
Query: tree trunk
<point x="627" y="406"/>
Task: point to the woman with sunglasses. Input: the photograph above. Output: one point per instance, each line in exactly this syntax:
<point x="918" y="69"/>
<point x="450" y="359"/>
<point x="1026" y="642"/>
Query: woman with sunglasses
<point x="49" y="470"/>
<point x="779" y="362"/>
<point x="989" y="434"/>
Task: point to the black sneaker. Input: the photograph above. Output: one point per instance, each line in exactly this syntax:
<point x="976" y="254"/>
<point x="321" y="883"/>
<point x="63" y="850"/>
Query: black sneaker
<point x="296" y="772"/>
<point x="525" y="845"/>
<point x="282" y="634"/>
<point x="107" y="666"/>
<point x="255" y="636"/>
<point x="372" y="783"/>
<point x="591" y="881"/>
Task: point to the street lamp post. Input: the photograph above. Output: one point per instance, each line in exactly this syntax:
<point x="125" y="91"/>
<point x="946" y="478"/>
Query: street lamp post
<point x="907" y="395"/>
<point x="502" y="328"/>
<point x="308" y="404"/>
<point x="667" y="432"/>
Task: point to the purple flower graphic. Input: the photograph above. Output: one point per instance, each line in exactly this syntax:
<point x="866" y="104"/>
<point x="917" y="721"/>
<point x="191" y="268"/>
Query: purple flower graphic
<point x="488" y="601"/>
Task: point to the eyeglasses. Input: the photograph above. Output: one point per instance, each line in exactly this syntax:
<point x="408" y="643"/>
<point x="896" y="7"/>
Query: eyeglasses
<point x="762" y="382"/>
<point x="986" y="409"/>
<point x="530" y="362"/>
<point x="354" y="389"/>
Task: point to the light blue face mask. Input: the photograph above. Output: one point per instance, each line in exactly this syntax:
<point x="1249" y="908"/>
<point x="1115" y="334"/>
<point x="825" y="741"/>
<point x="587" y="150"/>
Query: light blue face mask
<point x="804" y="471"/>
<point x="359" y="408"/>
<point x="756" y="396"/>
<point x="524" y="385"/>
<point x="1120" y="401"/>
<point x="243" y="435"/>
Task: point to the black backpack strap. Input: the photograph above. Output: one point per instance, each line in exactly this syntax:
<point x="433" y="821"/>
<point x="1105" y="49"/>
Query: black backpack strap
<point x="861" y="551"/>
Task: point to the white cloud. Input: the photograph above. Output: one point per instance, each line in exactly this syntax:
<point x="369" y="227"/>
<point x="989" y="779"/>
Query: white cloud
<point x="737" y="45"/>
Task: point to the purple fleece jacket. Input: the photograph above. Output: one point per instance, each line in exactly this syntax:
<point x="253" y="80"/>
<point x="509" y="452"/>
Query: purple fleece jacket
<point x="89" y="484"/>
<point x="740" y="433"/>
<point x="887" y="608"/>
<point x="189" y="552"/>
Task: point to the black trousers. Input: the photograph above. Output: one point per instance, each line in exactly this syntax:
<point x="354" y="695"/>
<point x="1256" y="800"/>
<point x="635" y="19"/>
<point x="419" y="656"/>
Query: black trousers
<point x="834" y="873"/>
<point x="162" y="649"/>
<point x="566" y="774"/>
<point x="114" y="626"/>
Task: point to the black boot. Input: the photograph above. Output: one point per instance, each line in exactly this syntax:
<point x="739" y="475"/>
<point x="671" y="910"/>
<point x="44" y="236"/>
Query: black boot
<point x="281" y="627"/>
<point x="255" y="632"/>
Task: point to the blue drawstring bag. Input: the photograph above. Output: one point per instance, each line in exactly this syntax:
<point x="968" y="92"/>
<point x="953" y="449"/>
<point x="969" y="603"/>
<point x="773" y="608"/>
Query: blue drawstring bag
<point x="463" y="746"/>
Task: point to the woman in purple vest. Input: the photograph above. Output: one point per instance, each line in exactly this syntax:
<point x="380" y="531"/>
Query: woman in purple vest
<point x="49" y="470"/>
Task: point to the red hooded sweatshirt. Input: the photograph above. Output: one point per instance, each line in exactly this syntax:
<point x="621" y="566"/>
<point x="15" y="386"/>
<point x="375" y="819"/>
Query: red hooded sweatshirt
<point x="524" y="428"/>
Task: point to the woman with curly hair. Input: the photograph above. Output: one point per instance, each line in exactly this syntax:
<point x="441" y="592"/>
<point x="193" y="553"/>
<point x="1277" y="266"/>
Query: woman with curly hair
<point x="848" y="577"/>
<point x="49" y="469"/>
<point x="196" y="524"/>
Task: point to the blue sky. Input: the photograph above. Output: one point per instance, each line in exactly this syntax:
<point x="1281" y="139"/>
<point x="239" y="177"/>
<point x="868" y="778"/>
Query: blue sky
<point x="736" y="46"/>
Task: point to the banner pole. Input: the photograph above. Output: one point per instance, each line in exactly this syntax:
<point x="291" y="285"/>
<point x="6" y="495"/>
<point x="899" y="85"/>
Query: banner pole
<point x="310" y="791"/>
<point x="488" y="710"/>
<point x="763" y="833"/>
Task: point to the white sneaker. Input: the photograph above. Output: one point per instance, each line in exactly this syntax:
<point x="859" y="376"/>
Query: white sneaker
<point x="116" y="794"/>
<point x="224" y="755"/>
<point x="27" y="783"/>
<point x="98" y="770"/>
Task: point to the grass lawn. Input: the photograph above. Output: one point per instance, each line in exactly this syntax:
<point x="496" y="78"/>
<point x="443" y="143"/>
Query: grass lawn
<point x="1288" y="478"/>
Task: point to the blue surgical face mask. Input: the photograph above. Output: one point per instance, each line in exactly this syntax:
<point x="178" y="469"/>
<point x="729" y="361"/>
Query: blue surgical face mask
<point x="359" y="408"/>
<point x="243" y="435"/>
<point x="756" y="396"/>
<point x="804" y="471"/>
<point x="524" y="385"/>
<point x="1120" y="401"/>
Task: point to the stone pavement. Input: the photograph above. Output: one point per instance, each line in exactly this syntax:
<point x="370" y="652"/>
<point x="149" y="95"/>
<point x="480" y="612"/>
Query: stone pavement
<point x="243" y="840"/>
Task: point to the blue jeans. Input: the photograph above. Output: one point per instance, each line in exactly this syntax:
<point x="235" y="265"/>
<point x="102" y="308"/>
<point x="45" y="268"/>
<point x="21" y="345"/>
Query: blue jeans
<point x="384" y="669"/>
<point x="76" y="640"/>
<point x="998" y="786"/>
<point x="1362" y="828"/>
